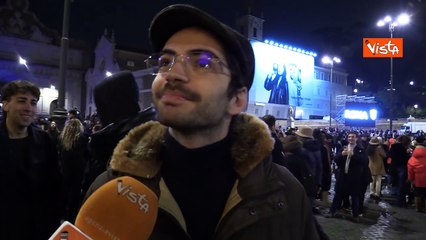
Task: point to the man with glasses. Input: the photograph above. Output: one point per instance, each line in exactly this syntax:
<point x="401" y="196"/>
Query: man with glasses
<point x="209" y="163"/>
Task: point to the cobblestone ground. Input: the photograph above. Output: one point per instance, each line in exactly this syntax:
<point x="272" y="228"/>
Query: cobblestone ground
<point x="381" y="220"/>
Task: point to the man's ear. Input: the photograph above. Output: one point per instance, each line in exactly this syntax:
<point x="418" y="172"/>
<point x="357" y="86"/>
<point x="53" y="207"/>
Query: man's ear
<point x="238" y="102"/>
<point x="5" y="105"/>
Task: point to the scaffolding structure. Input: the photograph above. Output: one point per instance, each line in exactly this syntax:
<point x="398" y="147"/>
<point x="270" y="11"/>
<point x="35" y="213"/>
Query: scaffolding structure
<point x="341" y="101"/>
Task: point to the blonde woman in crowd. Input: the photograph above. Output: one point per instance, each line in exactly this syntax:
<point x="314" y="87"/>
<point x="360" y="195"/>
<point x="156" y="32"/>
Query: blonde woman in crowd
<point x="73" y="155"/>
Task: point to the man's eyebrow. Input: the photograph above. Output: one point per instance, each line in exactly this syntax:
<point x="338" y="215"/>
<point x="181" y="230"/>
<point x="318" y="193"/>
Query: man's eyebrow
<point x="167" y="51"/>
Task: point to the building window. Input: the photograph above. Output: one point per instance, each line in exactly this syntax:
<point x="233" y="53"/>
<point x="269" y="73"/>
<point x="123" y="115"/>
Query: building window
<point x="255" y="32"/>
<point x="130" y="63"/>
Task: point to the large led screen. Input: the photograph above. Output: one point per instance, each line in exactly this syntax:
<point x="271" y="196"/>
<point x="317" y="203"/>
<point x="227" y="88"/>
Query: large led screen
<point x="360" y="114"/>
<point x="282" y="76"/>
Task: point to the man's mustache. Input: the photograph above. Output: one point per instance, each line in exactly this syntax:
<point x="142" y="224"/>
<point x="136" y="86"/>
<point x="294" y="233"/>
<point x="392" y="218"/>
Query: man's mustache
<point x="187" y="93"/>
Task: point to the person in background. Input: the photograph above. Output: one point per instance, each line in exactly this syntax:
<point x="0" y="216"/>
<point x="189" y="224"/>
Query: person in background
<point x="326" y="167"/>
<point x="417" y="173"/>
<point x="312" y="149"/>
<point x="298" y="165"/>
<point x="73" y="113"/>
<point x="30" y="190"/>
<point x="376" y="154"/>
<point x="400" y="153"/>
<point x="352" y="176"/>
<point x="73" y="157"/>
<point x="117" y="104"/>
<point x="53" y="132"/>
<point x="277" y="152"/>
<point x="209" y="163"/>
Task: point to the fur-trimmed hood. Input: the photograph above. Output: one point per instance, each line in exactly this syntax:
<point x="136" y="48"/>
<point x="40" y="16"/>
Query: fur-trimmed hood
<point x="138" y="153"/>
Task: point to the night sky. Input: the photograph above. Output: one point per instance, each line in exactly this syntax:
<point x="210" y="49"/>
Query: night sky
<point x="328" y="27"/>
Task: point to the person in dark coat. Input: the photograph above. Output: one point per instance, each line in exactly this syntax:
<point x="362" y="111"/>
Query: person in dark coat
<point x="352" y="177"/>
<point x="73" y="157"/>
<point x="117" y="103"/>
<point x="297" y="163"/>
<point x="208" y="162"/>
<point x="30" y="181"/>
<point x="400" y="153"/>
<point x="326" y="166"/>
<point x="312" y="149"/>
<point x="277" y="152"/>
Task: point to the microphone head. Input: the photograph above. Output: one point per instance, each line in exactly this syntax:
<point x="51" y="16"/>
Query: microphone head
<point x="123" y="208"/>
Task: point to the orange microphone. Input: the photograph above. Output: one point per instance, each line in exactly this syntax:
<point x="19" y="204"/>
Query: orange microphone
<point x="122" y="208"/>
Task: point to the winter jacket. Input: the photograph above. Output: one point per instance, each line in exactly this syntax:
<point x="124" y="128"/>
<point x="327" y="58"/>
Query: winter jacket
<point x="358" y="175"/>
<point x="375" y="163"/>
<point x="417" y="167"/>
<point x="103" y="142"/>
<point x="312" y="149"/>
<point x="266" y="202"/>
<point x="30" y="194"/>
<point x="399" y="156"/>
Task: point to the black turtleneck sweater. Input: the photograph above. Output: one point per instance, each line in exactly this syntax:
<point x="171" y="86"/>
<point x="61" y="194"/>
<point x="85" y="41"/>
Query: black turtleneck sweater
<point x="200" y="180"/>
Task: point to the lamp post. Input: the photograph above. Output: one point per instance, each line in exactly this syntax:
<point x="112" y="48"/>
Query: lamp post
<point x="330" y="61"/>
<point x="402" y="19"/>
<point x="60" y="113"/>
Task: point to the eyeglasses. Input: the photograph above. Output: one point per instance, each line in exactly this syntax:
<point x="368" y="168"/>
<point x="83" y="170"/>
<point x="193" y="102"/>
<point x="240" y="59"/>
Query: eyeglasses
<point x="194" y="62"/>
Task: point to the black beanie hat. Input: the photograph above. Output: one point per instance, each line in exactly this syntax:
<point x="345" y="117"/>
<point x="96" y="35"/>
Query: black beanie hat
<point x="117" y="97"/>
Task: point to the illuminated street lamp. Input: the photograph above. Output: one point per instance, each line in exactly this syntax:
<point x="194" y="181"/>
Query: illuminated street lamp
<point x="330" y="61"/>
<point x="411" y="83"/>
<point x="357" y="82"/>
<point x="402" y="19"/>
<point x="23" y="61"/>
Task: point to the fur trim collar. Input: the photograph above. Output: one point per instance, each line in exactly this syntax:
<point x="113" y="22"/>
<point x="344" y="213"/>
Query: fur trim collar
<point x="138" y="153"/>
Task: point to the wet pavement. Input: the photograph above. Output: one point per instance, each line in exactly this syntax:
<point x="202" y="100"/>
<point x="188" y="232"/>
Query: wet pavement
<point x="381" y="220"/>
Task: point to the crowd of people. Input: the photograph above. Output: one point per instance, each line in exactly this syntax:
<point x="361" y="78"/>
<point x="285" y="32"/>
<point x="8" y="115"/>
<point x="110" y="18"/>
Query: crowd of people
<point x="219" y="173"/>
<point x="360" y="160"/>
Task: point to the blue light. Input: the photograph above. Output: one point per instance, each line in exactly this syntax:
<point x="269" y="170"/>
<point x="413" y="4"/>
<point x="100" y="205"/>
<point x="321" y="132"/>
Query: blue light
<point x="291" y="48"/>
<point x="361" y="114"/>
<point x="373" y="114"/>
